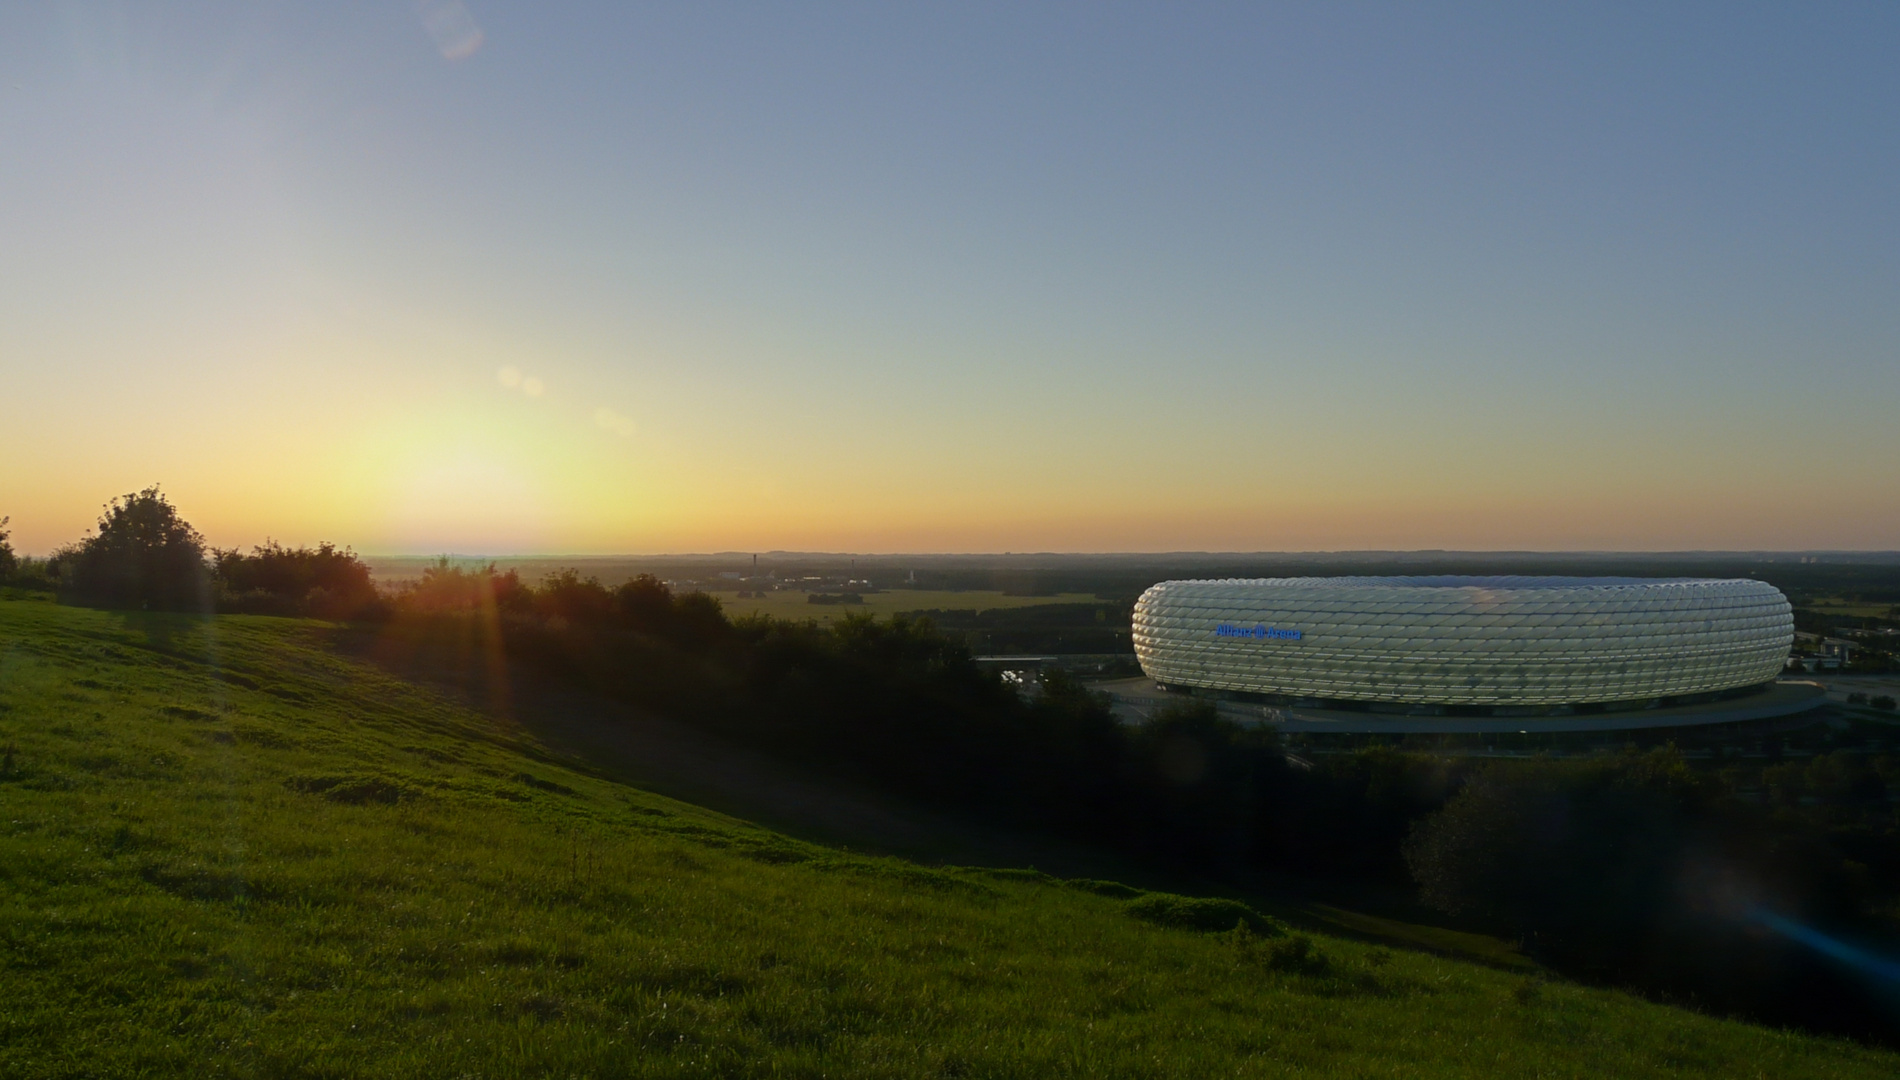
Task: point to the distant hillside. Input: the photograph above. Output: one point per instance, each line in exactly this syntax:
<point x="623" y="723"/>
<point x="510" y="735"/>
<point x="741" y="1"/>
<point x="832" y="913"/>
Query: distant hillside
<point x="226" y="850"/>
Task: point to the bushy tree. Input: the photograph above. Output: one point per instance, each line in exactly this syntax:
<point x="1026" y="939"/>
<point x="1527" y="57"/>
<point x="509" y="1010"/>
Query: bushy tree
<point x="323" y="581"/>
<point x="1195" y="776"/>
<point x="1637" y="870"/>
<point x="568" y="596"/>
<point x="142" y="554"/>
<point x="1349" y="813"/>
<point x="445" y="588"/>
<point x="693" y="621"/>
<point x="1570" y="855"/>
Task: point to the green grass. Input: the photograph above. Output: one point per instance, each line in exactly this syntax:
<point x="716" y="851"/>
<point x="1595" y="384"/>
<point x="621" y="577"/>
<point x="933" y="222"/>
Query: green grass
<point x="227" y="851"/>
<point x="791" y="604"/>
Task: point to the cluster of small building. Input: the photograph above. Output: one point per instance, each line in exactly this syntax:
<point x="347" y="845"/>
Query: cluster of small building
<point x="757" y="585"/>
<point x="1817" y="652"/>
<point x="1869" y="648"/>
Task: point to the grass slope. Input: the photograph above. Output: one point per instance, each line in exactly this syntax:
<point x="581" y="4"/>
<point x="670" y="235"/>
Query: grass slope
<point x="225" y="851"/>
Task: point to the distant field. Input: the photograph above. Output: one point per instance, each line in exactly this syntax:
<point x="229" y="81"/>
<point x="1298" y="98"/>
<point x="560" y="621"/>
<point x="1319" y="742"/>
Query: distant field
<point x="392" y="568"/>
<point x="228" y="851"/>
<point x="791" y="604"/>
<point x="1842" y="607"/>
<point x="785" y="604"/>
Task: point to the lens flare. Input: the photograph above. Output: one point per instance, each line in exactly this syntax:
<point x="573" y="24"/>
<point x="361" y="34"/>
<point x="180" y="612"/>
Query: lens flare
<point x="608" y="420"/>
<point x="451" y="27"/>
<point x="1851" y="956"/>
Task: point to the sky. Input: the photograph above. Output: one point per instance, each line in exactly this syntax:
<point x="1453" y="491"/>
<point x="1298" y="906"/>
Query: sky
<point x="487" y="277"/>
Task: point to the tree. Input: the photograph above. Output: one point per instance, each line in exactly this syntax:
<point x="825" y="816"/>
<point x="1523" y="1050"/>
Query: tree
<point x="7" y="561"/>
<point x="1196" y="776"/>
<point x="445" y="587"/>
<point x="142" y="554"/>
<point x="1574" y="856"/>
<point x="327" y="582"/>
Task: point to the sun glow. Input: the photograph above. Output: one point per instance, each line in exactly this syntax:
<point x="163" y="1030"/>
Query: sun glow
<point x="440" y="500"/>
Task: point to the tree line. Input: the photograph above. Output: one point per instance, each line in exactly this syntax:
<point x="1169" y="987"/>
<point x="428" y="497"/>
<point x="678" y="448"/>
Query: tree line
<point x="1633" y="869"/>
<point x="142" y="554"/>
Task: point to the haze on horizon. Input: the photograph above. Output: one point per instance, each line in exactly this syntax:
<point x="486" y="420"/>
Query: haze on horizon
<point x="501" y="277"/>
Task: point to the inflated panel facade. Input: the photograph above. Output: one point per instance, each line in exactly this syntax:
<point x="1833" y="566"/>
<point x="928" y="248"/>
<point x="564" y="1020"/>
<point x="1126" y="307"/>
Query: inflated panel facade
<point x="1499" y="641"/>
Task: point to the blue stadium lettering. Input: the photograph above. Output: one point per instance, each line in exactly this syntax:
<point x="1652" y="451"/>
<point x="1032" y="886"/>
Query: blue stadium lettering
<point x="1258" y="632"/>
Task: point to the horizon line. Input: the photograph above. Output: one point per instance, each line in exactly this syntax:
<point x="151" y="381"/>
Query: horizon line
<point x="1176" y="553"/>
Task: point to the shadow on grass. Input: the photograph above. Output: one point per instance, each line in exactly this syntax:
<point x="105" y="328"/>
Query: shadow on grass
<point x="604" y="737"/>
<point x="166" y="631"/>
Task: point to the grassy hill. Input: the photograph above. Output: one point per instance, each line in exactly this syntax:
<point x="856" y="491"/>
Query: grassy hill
<point x="227" y="850"/>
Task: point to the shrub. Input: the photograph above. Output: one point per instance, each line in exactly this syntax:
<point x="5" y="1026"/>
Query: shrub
<point x="692" y="621"/>
<point x="1196" y="778"/>
<point x="1538" y="847"/>
<point x="142" y="554"/>
<point x="1884" y="701"/>
<point x="445" y="589"/>
<point x="1112" y="889"/>
<point x="567" y="595"/>
<point x="276" y="580"/>
<point x="1197" y="913"/>
<point x="1295" y="953"/>
<point x="1635" y="870"/>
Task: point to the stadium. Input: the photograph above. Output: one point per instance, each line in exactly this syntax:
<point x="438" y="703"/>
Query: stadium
<point x="1545" y="647"/>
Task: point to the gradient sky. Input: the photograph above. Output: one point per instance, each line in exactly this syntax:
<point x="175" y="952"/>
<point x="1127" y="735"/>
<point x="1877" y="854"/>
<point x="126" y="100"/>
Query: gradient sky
<point x="512" y="277"/>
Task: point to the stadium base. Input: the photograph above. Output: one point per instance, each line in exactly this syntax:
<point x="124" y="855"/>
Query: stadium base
<point x="1136" y="699"/>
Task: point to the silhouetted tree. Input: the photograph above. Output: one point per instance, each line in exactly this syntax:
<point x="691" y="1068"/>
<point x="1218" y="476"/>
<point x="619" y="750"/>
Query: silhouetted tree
<point x="566" y="595"/>
<point x="276" y="580"/>
<point x="1637" y="870"/>
<point x="446" y="588"/>
<point x="142" y="554"/>
<point x="692" y="621"/>
<point x="7" y="561"/>
<point x="1195" y="774"/>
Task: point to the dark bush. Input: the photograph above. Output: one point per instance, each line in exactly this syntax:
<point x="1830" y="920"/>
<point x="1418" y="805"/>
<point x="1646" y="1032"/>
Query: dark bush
<point x="1637" y="870"/>
<point x="1297" y="955"/>
<point x="1349" y="814"/>
<point x="1197" y="913"/>
<point x="1112" y="889"/>
<point x="565" y="595"/>
<point x="275" y="580"/>
<point x="1196" y="777"/>
<point x="447" y="589"/>
<point x="1884" y="701"/>
<point x="142" y="554"/>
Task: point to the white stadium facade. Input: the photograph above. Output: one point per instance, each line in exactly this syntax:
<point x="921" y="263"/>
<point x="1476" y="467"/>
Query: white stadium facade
<point x="1466" y="646"/>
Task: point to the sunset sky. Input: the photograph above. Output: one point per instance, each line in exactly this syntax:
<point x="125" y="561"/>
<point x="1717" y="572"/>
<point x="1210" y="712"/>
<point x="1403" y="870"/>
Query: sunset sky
<point x="498" y="278"/>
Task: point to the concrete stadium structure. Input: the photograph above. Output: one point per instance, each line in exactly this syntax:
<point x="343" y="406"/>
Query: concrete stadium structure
<point x="1469" y="646"/>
